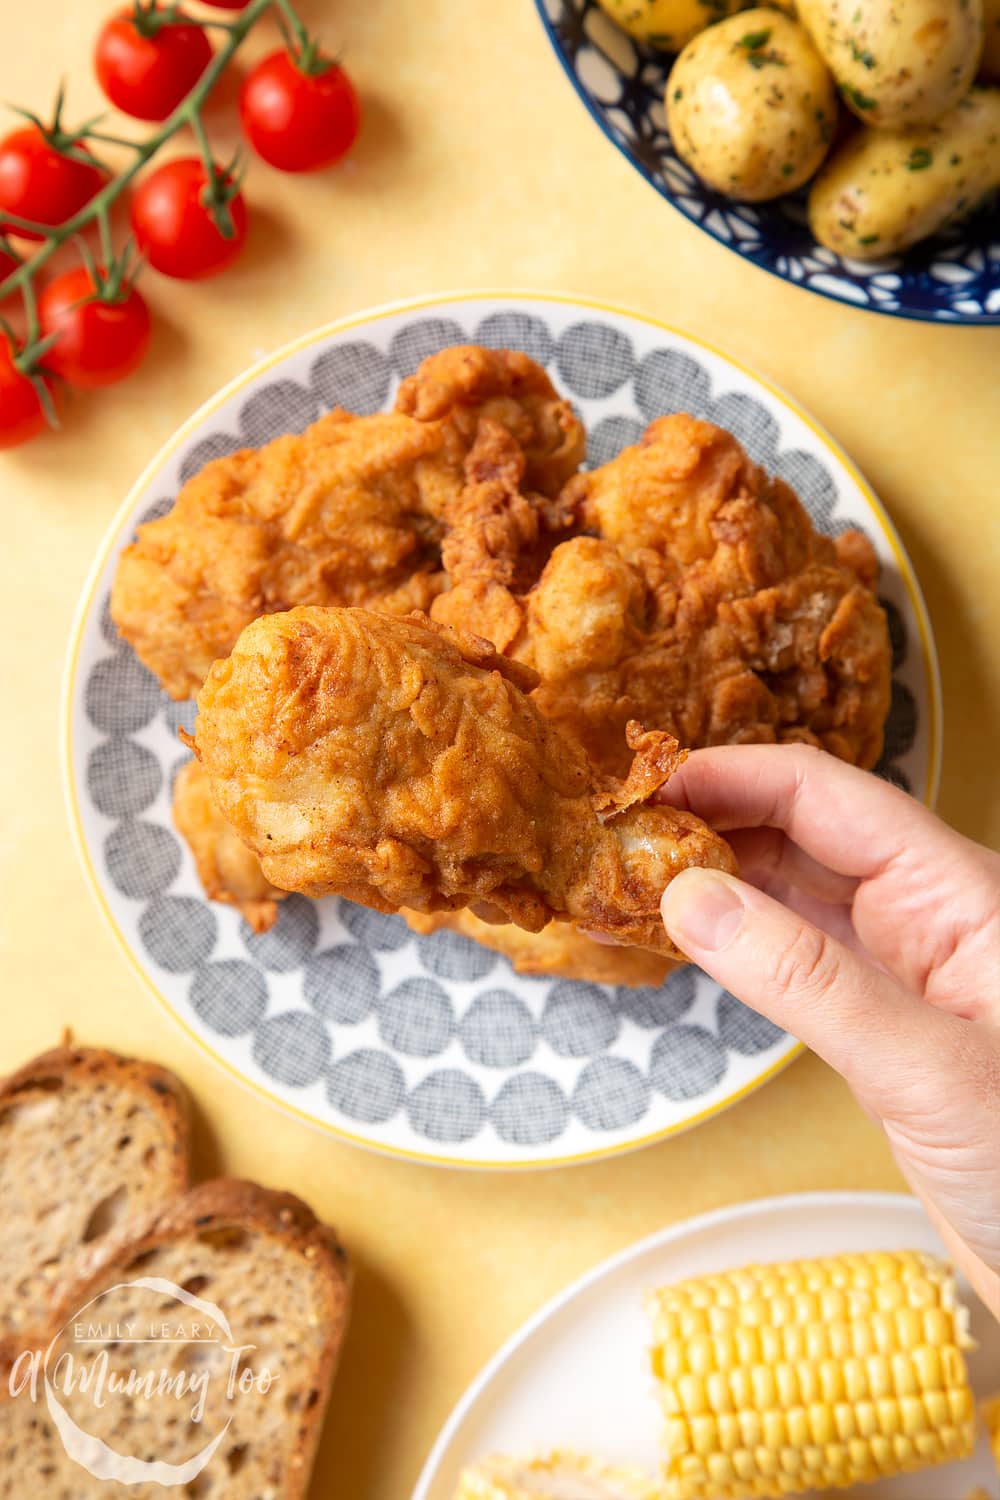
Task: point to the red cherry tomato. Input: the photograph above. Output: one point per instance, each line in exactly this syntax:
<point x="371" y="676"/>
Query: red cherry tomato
<point x="22" y="415"/>
<point x="227" y="4"/>
<point x="7" y="265"/>
<point x="297" y="119"/>
<point x="99" y="341"/>
<point x="175" y="226"/>
<point x="36" y="182"/>
<point x="147" y="67"/>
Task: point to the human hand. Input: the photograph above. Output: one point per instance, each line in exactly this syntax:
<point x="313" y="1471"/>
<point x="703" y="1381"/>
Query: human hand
<point x="870" y="930"/>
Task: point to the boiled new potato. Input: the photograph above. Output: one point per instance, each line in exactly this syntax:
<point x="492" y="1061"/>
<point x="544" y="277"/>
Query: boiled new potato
<point x="669" y="24"/>
<point x="884" y="190"/>
<point x="751" y="107"/>
<point x="989" y="64"/>
<point x="898" y="62"/>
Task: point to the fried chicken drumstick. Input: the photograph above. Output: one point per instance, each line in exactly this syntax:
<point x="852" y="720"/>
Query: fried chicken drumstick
<point x="401" y="764"/>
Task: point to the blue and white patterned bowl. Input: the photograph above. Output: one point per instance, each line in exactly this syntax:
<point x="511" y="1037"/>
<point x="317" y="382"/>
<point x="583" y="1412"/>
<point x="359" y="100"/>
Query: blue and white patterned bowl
<point x="953" y="278"/>
<point x="432" y="1047"/>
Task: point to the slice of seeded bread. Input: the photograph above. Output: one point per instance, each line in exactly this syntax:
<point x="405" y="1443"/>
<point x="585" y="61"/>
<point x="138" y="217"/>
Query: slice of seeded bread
<point x="88" y="1140"/>
<point x="282" y="1282"/>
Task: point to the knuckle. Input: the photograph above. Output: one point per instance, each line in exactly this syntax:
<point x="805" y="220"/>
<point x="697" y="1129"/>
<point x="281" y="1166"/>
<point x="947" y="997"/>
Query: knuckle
<point x="807" y="964"/>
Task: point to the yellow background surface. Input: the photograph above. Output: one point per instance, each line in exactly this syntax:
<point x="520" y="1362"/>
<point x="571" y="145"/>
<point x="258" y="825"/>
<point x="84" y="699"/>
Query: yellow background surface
<point x="477" y="167"/>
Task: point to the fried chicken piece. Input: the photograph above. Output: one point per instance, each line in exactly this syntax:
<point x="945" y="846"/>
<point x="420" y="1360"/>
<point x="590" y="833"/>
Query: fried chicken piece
<point x="342" y="514"/>
<point x="704" y="603"/>
<point x="740" y="623"/>
<point x="560" y="949"/>
<point x="462" y="385"/>
<point x="227" y="869"/>
<point x="399" y="764"/>
<point x="348" y="512"/>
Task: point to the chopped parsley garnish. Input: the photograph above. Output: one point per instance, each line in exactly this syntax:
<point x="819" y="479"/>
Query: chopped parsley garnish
<point x="787" y="169"/>
<point x="868" y="239"/>
<point x="919" y="158"/>
<point x="856" y="97"/>
<point x="862" y="55"/>
<point x="678" y="95"/>
<point x="954" y="160"/>
<point x="755" y="39"/>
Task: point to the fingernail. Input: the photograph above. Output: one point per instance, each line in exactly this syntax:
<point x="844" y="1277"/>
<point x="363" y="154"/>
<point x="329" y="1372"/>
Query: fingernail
<point x="701" y="909"/>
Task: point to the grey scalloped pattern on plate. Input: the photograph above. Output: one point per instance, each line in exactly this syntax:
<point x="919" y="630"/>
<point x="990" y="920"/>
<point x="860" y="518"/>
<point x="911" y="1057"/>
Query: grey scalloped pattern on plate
<point x="432" y="1044"/>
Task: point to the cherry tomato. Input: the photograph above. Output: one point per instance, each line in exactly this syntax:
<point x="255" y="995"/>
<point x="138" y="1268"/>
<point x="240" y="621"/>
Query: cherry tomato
<point x="298" y="119"/>
<point x="146" y="67"/>
<point x="37" y="182"/>
<point x="22" y="415"/>
<point x="227" y="4"/>
<point x="174" y="224"/>
<point x="99" y="341"/>
<point x="7" y="265"/>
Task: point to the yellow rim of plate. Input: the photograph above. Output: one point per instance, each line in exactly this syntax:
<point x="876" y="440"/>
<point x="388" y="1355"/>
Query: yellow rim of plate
<point x="340" y="325"/>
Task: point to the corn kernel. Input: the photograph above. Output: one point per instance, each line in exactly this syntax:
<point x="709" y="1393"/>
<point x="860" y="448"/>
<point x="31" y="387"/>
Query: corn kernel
<point x="882" y="1454"/>
<point x="747" y="1344"/>
<point x="790" y="1460"/>
<point x="787" y="1385"/>
<point x="883" y="1332"/>
<point x="836" y="1458"/>
<point x="909" y="1328"/>
<point x="866" y="1418"/>
<point x="889" y="1421"/>
<point x="717" y="1392"/>
<point x="775" y="1430"/>
<point x="720" y="1470"/>
<point x="691" y="1389"/>
<point x="765" y="1392"/>
<point x="745" y="1465"/>
<point x="843" y="1421"/>
<point x="729" y="1432"/>
<point x="840" y="1339"/>
<point x="797" y="1422"/>
<point x="751" y="1429"/>
<point x="675" y="1436"/>
<point x="879" y="1375"/>
<point x="889" y="1295"/>
<point x="904" y="1376"/>
<point x="808" y="1377"/>
<point x="912" y="1415"/>
<point x="704" y="1437"/>
<point x="831" y="1380"/>
<point x="859" y="1458"/>
<point x="693" y="1321"/>
<point x="820" y="1425"/>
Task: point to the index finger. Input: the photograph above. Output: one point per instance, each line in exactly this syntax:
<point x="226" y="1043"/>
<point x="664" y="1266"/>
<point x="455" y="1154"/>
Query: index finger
<point x="847" y="819"/>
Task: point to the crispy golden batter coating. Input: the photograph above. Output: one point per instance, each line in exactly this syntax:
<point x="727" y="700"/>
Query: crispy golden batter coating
<point x="348" y="512"/>
<point x="342" y="514"/>
<point x="465" y="384"/>
<point x="227" y="869"/>
<point x="702" y="601"/>
<point x="397" y="764"/>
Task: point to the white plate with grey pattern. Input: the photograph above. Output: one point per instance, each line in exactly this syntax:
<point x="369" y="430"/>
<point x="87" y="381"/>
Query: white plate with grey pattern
<point x="432" y="1047"/>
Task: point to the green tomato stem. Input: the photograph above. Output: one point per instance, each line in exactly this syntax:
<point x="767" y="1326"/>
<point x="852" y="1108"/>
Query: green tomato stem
<point x="188" y="112"/>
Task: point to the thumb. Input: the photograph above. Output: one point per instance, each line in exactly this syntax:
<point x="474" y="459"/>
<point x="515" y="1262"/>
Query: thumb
<point x="852" y="1014"/>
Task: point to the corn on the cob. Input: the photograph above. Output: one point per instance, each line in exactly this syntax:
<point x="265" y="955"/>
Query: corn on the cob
<point x="810" y="1375"/>
<point x="558" y="1476"/>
